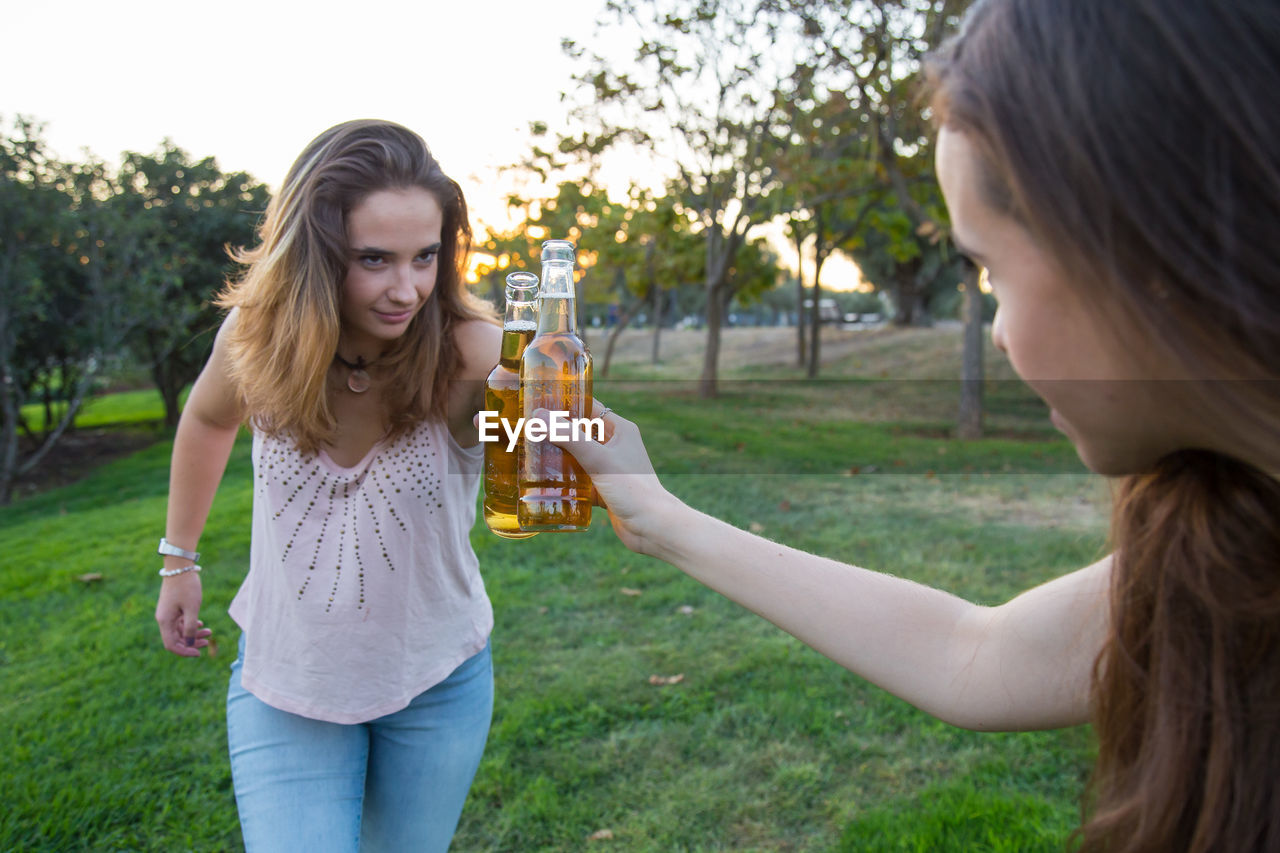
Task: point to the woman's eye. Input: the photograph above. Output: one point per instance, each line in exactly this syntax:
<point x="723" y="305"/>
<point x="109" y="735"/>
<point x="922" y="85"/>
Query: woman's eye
<point x="371" y="260"/>
<point x="427" y="257"/>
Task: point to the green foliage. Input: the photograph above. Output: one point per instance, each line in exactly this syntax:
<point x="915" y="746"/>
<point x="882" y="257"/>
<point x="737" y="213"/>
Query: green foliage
<point x="824" y="134"/>
<point x="65" y="272"/>
<point x="188" y="213"/>
<point x="97" y="262"/>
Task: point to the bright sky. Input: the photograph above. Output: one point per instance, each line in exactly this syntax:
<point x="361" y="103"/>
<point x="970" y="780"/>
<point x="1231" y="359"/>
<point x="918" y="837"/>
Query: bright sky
<point x="251" y="83"/>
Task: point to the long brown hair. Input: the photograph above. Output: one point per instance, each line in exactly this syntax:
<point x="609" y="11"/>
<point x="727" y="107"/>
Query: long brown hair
<point x="1136" y="141"/>
<point x="287" y="324"/>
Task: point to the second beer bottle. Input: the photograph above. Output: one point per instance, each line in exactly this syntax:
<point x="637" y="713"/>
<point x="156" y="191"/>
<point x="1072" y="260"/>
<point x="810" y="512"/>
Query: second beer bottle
<point x="555" y="375"/>
<point x="502" y="395"/>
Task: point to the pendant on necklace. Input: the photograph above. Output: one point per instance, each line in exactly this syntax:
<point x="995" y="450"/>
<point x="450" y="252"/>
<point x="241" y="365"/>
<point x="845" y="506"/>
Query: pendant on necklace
<point x="358" y="381"/>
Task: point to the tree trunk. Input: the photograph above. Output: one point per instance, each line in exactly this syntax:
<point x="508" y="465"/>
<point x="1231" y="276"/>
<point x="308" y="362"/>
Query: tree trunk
<point x="707" y="384"/>
<point x="9" y="391"/>
<point x="9" y="450"/>
<point x="921" y="314"/>
<point x="815" y="320"/>
<point x="46" y="398"/>
<point x="969" y="423"/>
<point x="659" y="303"/>
<point x="68" y="417"/>
<point x="907" y="297"/>
<point x="169" y="393"/>
<point x="721" y="249"/>
<point x="624" y="320"/>
<point x="166" y="377"/>
<point x="801" y="349"/>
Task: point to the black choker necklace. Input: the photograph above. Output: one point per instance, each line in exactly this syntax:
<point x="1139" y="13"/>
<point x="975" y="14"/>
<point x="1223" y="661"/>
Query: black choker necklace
<point x="358" y="379"/>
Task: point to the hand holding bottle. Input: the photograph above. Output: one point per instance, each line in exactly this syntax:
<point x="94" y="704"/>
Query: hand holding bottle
<point x="640" y="508"/>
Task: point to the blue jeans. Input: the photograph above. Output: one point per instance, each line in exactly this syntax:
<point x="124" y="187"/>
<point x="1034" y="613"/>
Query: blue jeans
<point x="395" y="783"/>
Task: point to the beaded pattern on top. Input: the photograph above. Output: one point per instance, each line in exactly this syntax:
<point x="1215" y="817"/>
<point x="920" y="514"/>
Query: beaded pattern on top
<point x="353" y="506"/>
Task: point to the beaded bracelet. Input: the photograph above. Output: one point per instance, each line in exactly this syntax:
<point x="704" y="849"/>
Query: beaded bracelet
<point x="168" y="573"/>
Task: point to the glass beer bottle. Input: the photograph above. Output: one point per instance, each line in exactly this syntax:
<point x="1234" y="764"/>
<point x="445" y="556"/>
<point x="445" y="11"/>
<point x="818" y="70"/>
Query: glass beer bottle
<point x="502" y="395"/>
<point x="555" y="374"/>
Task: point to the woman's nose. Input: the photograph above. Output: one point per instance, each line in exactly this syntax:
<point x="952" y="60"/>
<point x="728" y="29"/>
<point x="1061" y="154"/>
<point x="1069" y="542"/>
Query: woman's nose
<point x="403" y="286"/>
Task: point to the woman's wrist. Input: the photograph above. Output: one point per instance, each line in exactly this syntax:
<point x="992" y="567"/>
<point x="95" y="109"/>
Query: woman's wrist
<point x="177" y="560"/>
<point x="664" y="522"/>
<point x="168" y="549"/>
<point x="178" y="571"/>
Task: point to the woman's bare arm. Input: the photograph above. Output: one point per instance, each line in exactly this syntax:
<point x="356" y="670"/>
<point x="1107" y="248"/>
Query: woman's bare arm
<point x="201" y="447"/>
<point x="1025" y="664"/>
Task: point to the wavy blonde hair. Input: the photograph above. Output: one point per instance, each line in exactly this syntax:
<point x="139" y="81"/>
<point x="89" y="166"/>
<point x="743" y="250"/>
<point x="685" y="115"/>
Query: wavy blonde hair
<point x="288" y="297"/>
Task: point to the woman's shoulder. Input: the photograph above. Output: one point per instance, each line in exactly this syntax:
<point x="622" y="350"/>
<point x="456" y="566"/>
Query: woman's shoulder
<point x="479" y="344"/>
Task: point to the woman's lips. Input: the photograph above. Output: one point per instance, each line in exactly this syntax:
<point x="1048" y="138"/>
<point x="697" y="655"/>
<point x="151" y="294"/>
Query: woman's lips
<point x="394" y="317"/>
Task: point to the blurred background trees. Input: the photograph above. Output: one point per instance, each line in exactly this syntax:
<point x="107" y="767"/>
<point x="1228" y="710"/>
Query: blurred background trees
<point x="100" y="267"/>
<point x="760" y="140"/>
<point x="803" y="114"/>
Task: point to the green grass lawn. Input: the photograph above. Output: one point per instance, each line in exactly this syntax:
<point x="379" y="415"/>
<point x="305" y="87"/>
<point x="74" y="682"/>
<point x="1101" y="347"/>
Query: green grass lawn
<point x="113" y="744"/>
<point x="110" y="410"/>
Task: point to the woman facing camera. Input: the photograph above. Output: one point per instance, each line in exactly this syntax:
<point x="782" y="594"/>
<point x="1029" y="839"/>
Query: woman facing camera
<point x="360" y="702"/>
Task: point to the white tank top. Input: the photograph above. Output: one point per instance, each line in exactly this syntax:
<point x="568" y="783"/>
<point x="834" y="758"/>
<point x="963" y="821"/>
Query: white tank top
<point x="363" y="589"/>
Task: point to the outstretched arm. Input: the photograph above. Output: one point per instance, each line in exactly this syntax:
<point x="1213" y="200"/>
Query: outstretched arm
<point x="1025" y="664"/>
<point x="201" y="447"/>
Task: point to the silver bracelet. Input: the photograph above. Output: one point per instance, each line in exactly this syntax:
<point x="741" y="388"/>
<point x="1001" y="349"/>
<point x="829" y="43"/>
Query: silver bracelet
<point x="167" y="547"/>
<point x="168" y="573"/>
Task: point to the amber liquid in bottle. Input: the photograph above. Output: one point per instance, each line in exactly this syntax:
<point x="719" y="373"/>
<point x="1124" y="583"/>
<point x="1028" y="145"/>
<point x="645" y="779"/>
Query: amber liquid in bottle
<point x="502" y="395"/>
<point x="555" y="374"/>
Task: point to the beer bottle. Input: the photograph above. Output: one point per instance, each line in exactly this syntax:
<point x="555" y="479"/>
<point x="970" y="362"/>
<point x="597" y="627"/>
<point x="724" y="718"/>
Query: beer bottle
<point x="502" y="395"/>
<point x="555" y="374"/>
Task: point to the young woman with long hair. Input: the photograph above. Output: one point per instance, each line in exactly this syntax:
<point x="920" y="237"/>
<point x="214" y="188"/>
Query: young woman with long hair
<point x="1113" y="165"/>
<point x="360" y="701"/>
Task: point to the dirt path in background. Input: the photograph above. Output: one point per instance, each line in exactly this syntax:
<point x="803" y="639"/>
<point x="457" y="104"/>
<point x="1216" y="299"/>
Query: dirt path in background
<point x="924" y="353"/>
<point x="77" y="454"/>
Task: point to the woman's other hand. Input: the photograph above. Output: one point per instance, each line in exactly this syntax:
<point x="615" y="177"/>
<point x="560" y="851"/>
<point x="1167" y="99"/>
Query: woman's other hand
<point x="177" y="612"/>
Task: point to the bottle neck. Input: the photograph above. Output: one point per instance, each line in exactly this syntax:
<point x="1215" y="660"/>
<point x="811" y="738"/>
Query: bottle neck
<point x="557" y="311"/>
<point x="520" y="314"/>
<point x="519" y="324"/>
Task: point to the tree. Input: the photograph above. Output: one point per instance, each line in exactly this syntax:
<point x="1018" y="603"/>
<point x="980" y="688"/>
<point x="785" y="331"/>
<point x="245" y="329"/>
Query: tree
<point x="68" y="268"/>
<point x="872" y="51"/>
<point x="831" y="186"/>
<point x="631" y="252"/>
<point x="699" y="94"/>
<point x="578" y="209"/>
<point x="94" y="259"/>
<point x="914" y="266"/>
<point x="653" y="252"/>
<point x="188" y="213"/>
<point x="29" y="206"/>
